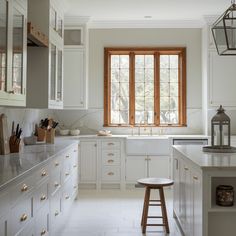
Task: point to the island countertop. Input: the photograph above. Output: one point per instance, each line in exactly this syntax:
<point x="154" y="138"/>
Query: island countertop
<point x="15" y="165"/>
<point x="205" y="160"/>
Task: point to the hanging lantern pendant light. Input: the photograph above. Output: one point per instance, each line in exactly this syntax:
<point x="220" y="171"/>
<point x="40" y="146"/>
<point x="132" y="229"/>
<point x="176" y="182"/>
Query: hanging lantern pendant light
<point x="224" y="32"/>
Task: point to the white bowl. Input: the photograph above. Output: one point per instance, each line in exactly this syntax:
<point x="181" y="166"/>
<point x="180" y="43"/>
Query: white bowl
<point x="74" y="132"/>
<point x="64" y="131"/>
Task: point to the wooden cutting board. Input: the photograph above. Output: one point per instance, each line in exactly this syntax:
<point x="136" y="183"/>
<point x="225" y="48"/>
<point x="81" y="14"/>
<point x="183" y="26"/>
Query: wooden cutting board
<point x="4" y="135"/>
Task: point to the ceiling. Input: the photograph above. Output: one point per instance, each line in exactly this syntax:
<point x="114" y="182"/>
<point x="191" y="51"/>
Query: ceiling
<point x="125" y="10"/>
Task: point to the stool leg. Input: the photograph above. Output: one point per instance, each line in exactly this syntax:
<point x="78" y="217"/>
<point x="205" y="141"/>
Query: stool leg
<point x="144" y="206"/>
<point x="145" y="213"/>
<point x="163" y="209"/>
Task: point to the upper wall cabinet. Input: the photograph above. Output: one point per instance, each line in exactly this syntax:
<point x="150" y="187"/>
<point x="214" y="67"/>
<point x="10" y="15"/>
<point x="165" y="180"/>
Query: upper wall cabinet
<point x="75" y="64"/>
<point x="13" y="39"/>
<point x="45" y="64"/>
<point x="222" y="82"/>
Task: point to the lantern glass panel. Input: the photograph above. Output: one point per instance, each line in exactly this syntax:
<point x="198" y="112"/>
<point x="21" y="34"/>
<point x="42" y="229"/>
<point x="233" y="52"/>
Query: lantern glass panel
<point x="230" y="30"/>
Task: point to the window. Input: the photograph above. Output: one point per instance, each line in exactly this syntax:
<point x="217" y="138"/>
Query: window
<point x="145" y="86"/>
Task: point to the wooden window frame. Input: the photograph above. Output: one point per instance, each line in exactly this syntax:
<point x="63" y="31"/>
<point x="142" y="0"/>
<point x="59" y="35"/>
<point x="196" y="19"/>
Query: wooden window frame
<point x="157" y="51"/>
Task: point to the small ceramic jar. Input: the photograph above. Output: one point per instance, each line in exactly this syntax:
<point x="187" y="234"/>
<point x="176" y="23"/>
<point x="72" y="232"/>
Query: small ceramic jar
<point x="225" y="195"/>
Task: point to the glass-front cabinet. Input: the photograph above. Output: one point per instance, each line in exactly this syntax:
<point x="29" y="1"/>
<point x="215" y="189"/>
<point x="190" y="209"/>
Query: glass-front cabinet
<point x="13" y="53"/>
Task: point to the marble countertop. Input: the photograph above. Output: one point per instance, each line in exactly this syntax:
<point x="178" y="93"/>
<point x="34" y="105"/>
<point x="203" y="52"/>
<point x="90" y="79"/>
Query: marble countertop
<point x="205" y="159"/>
<point x="15" y="165"/>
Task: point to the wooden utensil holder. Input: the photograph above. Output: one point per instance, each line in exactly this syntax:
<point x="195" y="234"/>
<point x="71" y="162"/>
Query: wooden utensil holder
<point x="41" y="134"/>
<point x="14" y="144"/>
<point x="50" y="136"/>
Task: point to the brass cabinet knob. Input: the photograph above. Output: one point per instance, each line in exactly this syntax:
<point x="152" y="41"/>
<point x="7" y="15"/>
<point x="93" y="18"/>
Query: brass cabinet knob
<point x="75" y="187"/>
<point x="56" y="213"/>
<point x="186" y="168"/>
<point x="44" y="173"/>
<point x="110" y="161"/>
<point x="67" y="197"/>
<point x="195" y="177"/>
<point x="23" y="217"/>
<point x="110" y="154"/>
<point x="43" y="197"/>
<point x="75" y="150"/>
<point x="11" y="92"/>
<point x="67" y="174"/>
<point x="43" y="232"/>
<point x="24" y="188"/>
<point x="56" y="184"/>
<point x="74" y="166"/>
<point x="110" y="173"/>
<point x="67" y="156"/>
<point x="56" y="163"/>
<point x="110" y="144"/>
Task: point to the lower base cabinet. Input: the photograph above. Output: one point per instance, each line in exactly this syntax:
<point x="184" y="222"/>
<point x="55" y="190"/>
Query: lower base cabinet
<point x="38" y="203"/>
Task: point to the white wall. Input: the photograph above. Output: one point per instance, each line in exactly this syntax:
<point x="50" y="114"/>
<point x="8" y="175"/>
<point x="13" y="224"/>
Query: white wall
<point x="92" y="120"/>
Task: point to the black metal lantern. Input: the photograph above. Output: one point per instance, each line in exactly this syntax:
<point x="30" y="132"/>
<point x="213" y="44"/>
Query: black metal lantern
<point x="220" y="133"/>
<point x="224" y="32"/>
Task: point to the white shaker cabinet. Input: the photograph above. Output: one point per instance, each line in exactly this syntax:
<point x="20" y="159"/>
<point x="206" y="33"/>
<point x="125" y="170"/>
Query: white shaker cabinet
<point x="222" y="81"/>
<point x="88" y="162"/>
<point x="13" y="41"/>
<point x="146" y="166"/>
<point x="74" y="78"/>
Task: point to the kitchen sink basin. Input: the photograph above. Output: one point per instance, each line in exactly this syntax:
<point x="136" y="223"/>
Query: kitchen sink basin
<point x="147" y="145"/>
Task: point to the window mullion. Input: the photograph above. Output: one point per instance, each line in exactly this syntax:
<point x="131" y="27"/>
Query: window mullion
<point x="132" y="89"/>
<point x="157" y="88"/>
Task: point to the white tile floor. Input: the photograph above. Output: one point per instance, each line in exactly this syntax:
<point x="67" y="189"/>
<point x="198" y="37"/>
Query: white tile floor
<point x="113" y="213"/>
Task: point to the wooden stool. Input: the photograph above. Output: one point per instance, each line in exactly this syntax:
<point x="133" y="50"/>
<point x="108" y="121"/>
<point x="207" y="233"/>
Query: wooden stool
<point x="155" y="183"/>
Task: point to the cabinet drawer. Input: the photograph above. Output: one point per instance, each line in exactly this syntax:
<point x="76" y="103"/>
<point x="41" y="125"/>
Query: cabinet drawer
<point x="4" y="203"/>
<point x="56" y="165"/>
<point x="21" y="215"/>
<point x="111" y="173"/>
<point x="54" y="183"/>
<point x="41" y="196"/>
<point x="28" y="230"/>
<point x="67" y="196"/>
<point x="110" y="144"/>
<point x="75" y="182"/>
<point x="111" y="161"/>
<point x="22" y="189"/>
<point x="111" y="153"/>
<point x="55" y="209"/>
<point x="66" y="171"/>
<point x="42" y="221"/>
<point x="42" y="174"/>
<point x="3" y="225"/>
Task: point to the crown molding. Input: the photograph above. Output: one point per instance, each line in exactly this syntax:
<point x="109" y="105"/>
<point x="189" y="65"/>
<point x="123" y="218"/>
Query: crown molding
<point x="210" y="19"/>
<point x="76" y="20"/>
<point x="109" y="24"/>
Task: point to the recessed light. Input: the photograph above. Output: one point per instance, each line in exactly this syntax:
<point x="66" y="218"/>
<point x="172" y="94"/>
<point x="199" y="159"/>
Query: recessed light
<point x="147" y="17"/>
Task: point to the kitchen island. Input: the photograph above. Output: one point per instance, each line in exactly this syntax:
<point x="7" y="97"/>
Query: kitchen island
<point x="196" y="175"/>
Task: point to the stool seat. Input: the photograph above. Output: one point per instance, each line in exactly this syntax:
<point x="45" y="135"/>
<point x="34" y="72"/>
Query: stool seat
<point x="155" y="183"/>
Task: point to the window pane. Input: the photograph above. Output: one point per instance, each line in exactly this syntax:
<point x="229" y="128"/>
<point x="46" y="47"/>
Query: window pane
<point x="164" y="103"/>
<point x="164" y="89"/>
<point x="149" y="104"/>
<point x="149" y="61"/>
<point x="149" y="90"/>
<point x="139" y="75"/>
<point x="139" y="89"/>
<point x="164" y="75"/>
<point x="164" y="61"/>
<point x="174" y="61"/>
<point x="174" y="89"/>
<point x="174" y="75"/>
<point x="139" y="103"/>
<point x="139" y="61"/>
<point x="174" y="103"/>
<point x="149" y="75"/>
<point x="119" y="89"/>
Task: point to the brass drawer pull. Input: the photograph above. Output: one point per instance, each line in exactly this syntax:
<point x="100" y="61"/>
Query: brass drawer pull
<point x="186" y="168"/>
<point x="44" y="173"/>
<point x="24" y="188"/>
<point x="74" y="166"/>
<point x="110" y="173"/>
<point x="56" y="163"/>
<point x="56" y="184"/>
<point x="67" y="197"/>
<point x="67" y="156"/>
<point x="110" y="154"/>
<point x="56" y="213"/>
<point x="67" y="174"/>
<point x="23" y="217"/>
<point x="110" y="144"/>
<point x="110" y="161"/>
<point x="43" y="197"/>
<point x="195" y="177"/>
<point x="43" y="232"/>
